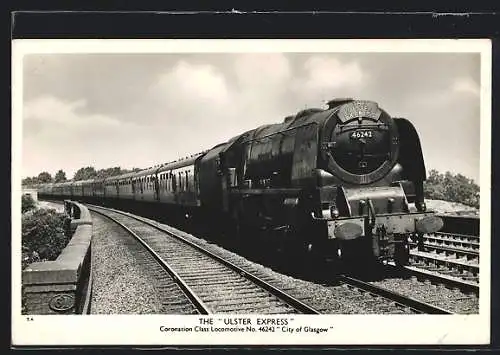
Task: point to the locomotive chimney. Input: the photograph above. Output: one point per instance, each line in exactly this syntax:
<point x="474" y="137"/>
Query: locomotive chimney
<point x="338" y="101"/>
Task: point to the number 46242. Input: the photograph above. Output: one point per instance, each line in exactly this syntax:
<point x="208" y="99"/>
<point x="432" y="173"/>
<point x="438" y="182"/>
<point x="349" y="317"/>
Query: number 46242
<point x="361" y="134"/>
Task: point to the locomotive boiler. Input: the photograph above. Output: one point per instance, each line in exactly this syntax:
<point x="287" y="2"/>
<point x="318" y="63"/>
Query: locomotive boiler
<point x="342" y="182"/>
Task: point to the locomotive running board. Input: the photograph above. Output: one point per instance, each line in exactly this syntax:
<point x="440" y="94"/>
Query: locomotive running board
<point x="425" y="222"/>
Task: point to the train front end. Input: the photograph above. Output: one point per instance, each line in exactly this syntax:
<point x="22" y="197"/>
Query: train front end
<point x="370" y="183"/>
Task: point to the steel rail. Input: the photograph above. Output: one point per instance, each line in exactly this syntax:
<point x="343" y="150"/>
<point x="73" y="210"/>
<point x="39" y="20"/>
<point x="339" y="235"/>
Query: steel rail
<point x="458" y="235"/>
<point x="416" y="305"/>
<point x="283" y="296"/>
<point x="443" y="248"/>
<point x="195" y="300"/>
<point x="431" y="260"/>
<point x="462" y="285"/>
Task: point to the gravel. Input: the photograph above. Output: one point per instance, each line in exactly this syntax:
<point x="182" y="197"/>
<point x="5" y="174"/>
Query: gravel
<point x="122" y="282"/>
<point x="337" y="299"/>
<point x="439" y="295"/>
<point x="441" y="206"/>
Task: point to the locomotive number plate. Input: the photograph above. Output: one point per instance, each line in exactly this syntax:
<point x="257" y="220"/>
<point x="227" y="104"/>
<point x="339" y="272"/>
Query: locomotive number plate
<point x="362" y="134"/>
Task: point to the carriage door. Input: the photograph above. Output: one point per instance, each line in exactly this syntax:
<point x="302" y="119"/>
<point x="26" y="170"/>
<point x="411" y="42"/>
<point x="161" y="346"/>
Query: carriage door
<point x="156" y="183"/>
<point x="141" y="182"/>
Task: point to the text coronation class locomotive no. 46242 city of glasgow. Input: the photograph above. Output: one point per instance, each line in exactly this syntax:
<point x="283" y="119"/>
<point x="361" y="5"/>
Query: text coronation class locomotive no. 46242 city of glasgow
<point x="336" y="181"/>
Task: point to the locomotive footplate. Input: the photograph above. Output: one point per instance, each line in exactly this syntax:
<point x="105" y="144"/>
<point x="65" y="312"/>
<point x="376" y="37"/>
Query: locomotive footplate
<point x="386" y="230"/>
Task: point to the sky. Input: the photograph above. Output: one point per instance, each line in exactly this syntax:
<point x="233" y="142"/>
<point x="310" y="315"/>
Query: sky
<point x="139" y="110"/>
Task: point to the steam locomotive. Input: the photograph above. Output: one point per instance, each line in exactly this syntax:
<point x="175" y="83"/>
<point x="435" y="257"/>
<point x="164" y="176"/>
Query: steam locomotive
<point x="338" y="182"/>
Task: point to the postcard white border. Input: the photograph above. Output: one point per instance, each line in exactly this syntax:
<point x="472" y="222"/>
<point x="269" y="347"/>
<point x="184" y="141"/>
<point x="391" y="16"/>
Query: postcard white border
<point x="347" y="329"/>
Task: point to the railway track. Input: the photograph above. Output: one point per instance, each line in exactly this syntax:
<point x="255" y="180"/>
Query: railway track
<point x="451" y="257"/>
<point x="217" y="285"/>
<point x="449" y="265"/>
<point x="449" y="295"/>
<point x="460" y="245"/>
<point x="454" y="239"/>
<point x="208" y="282"/>
<point x="401" y="300"/>
<point x="182" y="284"/>
<point x="464" y="286"/>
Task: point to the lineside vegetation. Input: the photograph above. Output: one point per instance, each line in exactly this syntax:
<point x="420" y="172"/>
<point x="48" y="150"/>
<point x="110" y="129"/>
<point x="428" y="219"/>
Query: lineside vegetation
<point x="451" y="187"/>
<point x="43" y="236"/>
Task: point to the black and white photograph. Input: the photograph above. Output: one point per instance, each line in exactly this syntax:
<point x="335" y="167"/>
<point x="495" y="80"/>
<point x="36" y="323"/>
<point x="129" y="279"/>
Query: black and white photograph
<point x="204" y="192"/>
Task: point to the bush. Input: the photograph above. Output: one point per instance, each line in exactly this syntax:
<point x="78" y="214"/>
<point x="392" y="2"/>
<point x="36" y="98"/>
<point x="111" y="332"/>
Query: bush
<point x="27" y="203"/>
<point x="43" y="236"/>
<point x="450" y="187"/>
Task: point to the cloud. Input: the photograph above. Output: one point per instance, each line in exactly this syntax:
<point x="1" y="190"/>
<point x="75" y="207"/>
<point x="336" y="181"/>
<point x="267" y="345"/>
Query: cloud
<point x="269" y="71"/>
<point x="331" y="73"/>
<point x="466" y="85"/>
<point x="326" y="77"/>
<point x="60" y="134"/>
<point x="193" y="83"/>
<point x="49" y="109"/>
<point x="222" y="101"/>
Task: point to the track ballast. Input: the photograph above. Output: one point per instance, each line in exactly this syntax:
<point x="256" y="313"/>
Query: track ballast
<point x="210" y="283"/>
